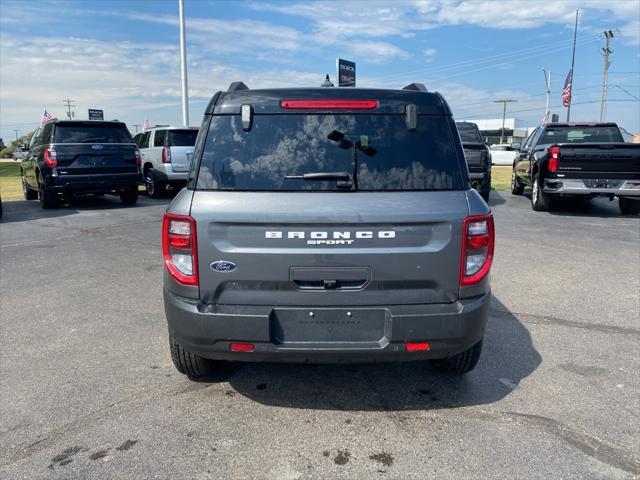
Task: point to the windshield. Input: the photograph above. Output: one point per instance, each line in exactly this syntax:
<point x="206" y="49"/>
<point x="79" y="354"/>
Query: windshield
<point x="582" y="134"/>
<point x="469" y="133"/>
<point x="363" y="152"/>
<point x="182" y="138"/>
<point x="70" y="133"/>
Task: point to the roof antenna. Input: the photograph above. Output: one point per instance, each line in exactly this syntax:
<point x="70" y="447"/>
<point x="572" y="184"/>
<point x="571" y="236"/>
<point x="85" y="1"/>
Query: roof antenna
<point x="327" y="82"/>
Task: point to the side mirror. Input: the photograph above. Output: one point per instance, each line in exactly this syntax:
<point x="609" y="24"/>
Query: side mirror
<point x="516" y="145"/>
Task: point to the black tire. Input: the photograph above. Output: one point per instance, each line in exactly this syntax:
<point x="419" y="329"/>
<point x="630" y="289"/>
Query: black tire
<point x="48" y="198"/>
<point x="461" y="363"/>
<point x="27" y="192"/>
<point x="516" y="188"/>
<point x="153" y="187"/>
<point x="485" y="195"/>
<point x="187" y="363"/>
<point x="540" y="201"/>
<point x="629" y="206"/>
<point x="129" y="197"/>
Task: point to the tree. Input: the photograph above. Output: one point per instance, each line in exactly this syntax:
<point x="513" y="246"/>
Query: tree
<point x="7" y="152"/>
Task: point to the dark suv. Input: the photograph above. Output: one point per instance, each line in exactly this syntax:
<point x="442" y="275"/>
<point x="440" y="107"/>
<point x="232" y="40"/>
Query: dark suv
<point x="327" y="225"/>
<point x="478" y="157"/>
<point x="67" y="158"/>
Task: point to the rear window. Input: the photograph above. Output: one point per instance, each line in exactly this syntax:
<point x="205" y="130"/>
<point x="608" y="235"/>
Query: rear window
<point x="469" y="133"/>
<point x="389" y="156"/>
<point x="582" y="134"/>
<point x="91" y="134"/>
<point x="182" y="138"/>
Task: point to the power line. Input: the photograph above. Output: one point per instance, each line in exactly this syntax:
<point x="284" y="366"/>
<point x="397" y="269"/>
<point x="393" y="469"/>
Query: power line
<point x="68" y="104"/>
<point x="606" y="51"/>
<point x="504" y="113"/>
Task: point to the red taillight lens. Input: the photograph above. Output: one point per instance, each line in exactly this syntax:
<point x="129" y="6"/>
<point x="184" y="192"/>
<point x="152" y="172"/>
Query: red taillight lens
<point x="554" y="156"/>
<point x="417" y="346"/>
<point x="241" y="347"/>
<point x="179" y="248"/>
<point x="138" y="157"/>
<point x="50" y="157"/>
<point x="329" y="104"/>
<point x="166" y="155"/>
<point x="478" y="239"/>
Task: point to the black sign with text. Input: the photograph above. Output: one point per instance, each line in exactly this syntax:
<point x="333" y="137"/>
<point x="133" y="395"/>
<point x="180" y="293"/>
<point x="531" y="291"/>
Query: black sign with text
<point x="346" y="73"/>
<point x="96" y="114"/>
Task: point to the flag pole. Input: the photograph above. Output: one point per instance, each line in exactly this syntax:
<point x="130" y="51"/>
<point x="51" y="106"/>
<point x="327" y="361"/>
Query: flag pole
<point x="573" y="60"/>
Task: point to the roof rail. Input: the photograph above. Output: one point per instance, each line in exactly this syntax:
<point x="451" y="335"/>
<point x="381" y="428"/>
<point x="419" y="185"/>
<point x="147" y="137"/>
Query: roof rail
<point x="235" y="86"/>
<point x="416" y="87"/>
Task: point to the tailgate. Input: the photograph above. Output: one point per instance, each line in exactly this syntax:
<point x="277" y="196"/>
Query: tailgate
<point x="180" y="158"/>
<point x="81" y="158"/>
<point x="474" y="154"/>
<point x="604" y="158"/>
<point x="329" y="249"/>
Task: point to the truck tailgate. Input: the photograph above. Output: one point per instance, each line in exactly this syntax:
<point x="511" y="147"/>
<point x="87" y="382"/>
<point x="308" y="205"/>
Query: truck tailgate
<point x="87" y="158"/>
<point x="602" y="159"/>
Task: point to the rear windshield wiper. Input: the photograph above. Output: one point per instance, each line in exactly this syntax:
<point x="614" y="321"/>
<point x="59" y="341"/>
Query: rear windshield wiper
<point x="343" y="178"/>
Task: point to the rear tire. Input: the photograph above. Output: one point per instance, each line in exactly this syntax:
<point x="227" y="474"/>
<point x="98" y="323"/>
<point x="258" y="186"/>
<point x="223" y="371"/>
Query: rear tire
<point x="461" y="363"/>
<point x="48" y="198"/>
<point x="153" y="187"/>
<point x="540" y="201"/>
<point x="629" y="206"/>
<point x="27" y="192"/>
<point x="516" y="188"/>
<point x="187" y="363"/>
<point x="485" y="196"/>
<point x="129" y="197"/>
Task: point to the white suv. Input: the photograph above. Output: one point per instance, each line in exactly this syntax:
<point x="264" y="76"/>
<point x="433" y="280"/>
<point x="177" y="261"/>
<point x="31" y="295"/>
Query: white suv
<point x="166" y="154"/>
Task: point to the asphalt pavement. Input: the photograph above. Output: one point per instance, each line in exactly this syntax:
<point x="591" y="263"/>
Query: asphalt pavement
<point x="87" y="388"/>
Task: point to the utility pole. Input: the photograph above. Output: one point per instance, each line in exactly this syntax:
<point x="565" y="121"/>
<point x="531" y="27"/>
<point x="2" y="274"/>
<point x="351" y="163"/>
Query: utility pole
<point x="504" y="114"/>
<point x="183" y="66"/>
<point x="68" y="104"/>
<point x="547" y="81"/>
<point x="605" y="75"/>
<point x="16" y="134"/>
<point x="137" y="125"/>
<point x="573" y="61"/>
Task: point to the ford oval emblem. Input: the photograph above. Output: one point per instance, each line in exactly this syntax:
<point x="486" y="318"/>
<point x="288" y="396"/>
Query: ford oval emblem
<point x="97" y="147"/>
<point x="223" y="266"/>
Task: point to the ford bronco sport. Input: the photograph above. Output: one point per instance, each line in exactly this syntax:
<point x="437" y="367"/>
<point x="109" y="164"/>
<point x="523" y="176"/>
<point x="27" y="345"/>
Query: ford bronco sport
<point x="327" y="225"/>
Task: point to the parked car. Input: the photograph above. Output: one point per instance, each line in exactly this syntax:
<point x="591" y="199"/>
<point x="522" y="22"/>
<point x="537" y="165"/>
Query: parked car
<point x="504" y="154"/>
<point x="478" y="157"/>
<point x="68" y="157"/>
<point x="578" y="159"/>
<point x="166" y="154"/>
<point x="326" y="225"/>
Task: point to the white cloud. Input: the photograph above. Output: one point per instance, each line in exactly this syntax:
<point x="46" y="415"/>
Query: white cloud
<point x="429" y="54"/>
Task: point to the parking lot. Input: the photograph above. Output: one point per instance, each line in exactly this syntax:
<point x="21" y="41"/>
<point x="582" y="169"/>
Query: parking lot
<point x="89" y="391"/>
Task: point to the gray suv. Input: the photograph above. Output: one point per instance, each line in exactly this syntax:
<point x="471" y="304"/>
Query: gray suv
<point x="327" y="225"/>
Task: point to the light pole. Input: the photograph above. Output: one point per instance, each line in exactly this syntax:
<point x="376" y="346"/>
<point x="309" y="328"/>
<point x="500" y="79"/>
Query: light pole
<point x="504" y="114"/>
<point x="605" y="76"/>
<point x="547" y="81"/>
<point x="183" y="66"/>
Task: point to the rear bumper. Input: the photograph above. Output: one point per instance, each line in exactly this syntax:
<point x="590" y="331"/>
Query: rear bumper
<point x="95" y="183"/>
<point x="165" y="173"/>
<point x="208" y="330"/>
<point x="579" y="186"/>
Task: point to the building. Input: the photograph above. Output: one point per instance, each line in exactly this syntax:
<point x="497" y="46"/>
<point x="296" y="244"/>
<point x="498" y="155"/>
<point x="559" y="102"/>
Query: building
<point x="514" y="130"/>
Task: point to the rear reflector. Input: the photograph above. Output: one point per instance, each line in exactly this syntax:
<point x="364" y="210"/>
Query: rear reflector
<point x="417" y="346"/>
<point x="329" y="104"/>
<point x="241" y="347"/>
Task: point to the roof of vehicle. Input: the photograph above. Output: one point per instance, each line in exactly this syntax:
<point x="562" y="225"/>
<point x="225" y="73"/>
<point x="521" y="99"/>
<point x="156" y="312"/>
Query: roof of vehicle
<point x="169" y="127"/>
<point x="85" y="122"/>
<point x="268" y="100"/>
<point x="581" y="124"/>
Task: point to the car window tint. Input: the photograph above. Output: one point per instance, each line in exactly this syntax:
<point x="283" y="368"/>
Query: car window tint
<point x="390" y="157"/>
<point x="159" y="137"/>
<point x="469" y="132"/>
<point x="46" y="133"/>
<point x="581" y="134"/>
<point x="144" y="140"/>
<point x="182" y="138"/>
<point x="83" y="133"/>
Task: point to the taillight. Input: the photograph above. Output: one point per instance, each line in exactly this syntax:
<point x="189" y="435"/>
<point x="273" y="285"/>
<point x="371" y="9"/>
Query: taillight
<point x="50" y="157"/>
<point x="329" y="104"/>
<point x="179" y="248"/>
<point x="138" y="157"/>
<point x="478" y="238"/>
<point x="554" y="156"/>
<point x="166" y="155"/>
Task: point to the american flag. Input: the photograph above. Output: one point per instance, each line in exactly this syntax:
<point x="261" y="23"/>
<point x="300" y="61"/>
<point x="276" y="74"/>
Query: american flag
<point x="566" y="91"/>
<point x="46" y="116"/>
<point x="145" y="126"/>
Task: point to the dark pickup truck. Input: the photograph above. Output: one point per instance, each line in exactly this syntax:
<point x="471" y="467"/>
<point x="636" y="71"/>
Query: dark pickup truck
<point x="478" y="157"/>
<point x="68" y="158"/>
<point x="587" y="159"/>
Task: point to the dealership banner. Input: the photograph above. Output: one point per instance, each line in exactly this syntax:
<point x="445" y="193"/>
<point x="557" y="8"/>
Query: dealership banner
<point x="346" y="73"/>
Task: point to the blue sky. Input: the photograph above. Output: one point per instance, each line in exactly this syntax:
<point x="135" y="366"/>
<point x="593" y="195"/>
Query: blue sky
<point x="123" y="56"/>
